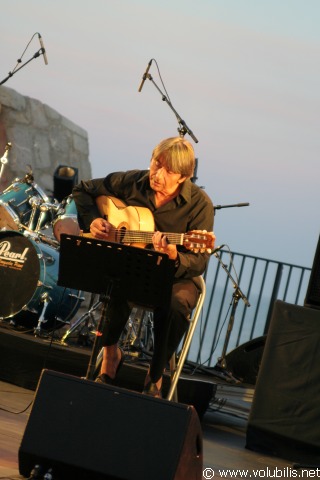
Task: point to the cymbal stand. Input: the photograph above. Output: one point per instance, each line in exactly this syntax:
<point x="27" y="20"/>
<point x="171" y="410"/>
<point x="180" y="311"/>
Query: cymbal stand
<point x="221" y="365"/>
<point x="4" y="158"/>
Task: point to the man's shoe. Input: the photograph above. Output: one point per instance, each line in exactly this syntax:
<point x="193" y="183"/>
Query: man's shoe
<point x="104" y="377"/>
<point x="152" y="390"/>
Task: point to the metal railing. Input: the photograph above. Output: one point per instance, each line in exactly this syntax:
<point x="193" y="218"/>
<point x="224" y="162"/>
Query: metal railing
<point x="262" y="281"/>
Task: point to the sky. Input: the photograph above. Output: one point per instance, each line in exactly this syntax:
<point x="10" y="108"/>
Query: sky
<point x="244" y="75"/>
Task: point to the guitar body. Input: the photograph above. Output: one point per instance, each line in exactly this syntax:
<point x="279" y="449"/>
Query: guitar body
<point x="124" y="218"/>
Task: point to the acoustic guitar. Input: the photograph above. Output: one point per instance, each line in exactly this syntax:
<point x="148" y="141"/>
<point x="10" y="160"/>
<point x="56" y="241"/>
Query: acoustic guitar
<point x="135" y="226"/>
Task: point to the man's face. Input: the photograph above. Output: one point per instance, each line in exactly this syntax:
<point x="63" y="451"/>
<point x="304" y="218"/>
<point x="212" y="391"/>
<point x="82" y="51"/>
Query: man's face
<point x="163" y="180"/>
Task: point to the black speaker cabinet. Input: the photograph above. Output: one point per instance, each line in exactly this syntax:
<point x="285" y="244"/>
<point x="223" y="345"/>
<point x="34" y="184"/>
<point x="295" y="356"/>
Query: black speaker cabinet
<point x="64" y="179"/>
<point x="285" y="414"/>
<point x="313" y="292"/>
<point x="84" y="430"/>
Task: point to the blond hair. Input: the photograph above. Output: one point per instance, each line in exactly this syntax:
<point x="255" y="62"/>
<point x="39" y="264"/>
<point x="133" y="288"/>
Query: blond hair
<point x="177" y="155"/>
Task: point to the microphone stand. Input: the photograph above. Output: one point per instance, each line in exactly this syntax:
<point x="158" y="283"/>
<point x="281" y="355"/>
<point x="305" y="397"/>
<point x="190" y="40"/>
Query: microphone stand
<point x="217" y="207"/>
<point x="36" y="55"/>
<point x="183" y="126"/>
<point x="221" y="365"/>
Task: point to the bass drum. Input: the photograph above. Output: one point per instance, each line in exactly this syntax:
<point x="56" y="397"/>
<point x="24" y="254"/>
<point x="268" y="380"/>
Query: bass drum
<point x="28" y="282"/>
<point x="67" y="219"/>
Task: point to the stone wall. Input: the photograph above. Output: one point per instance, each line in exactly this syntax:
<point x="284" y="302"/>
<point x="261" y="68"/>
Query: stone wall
<point x="41" y="138"/>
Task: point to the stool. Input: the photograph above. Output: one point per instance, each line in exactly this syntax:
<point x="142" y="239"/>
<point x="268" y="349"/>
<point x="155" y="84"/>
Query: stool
<point x="138" y="334"/>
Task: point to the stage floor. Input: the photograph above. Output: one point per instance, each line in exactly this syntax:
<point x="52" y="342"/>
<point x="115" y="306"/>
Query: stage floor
<point x="223" y="408"/>
<point x="223" y="439"/>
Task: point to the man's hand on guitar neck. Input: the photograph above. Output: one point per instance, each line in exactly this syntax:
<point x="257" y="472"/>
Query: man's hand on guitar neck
<point x="161" y="244"/>
<point x="99" y="228"/>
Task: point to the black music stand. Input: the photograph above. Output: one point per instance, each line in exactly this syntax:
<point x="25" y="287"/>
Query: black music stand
<point x="144" y="277"/>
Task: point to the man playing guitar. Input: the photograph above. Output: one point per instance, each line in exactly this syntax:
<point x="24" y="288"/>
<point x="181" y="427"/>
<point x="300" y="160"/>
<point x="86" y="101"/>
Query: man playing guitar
<point x="164" y="202"/>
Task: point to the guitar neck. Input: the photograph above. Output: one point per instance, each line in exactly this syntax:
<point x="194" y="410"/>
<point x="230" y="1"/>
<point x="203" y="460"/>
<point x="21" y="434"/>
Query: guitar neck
<point x="137" y="236"/>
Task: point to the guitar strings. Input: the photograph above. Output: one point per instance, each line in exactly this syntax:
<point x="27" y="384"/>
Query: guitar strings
<point x="139" y="236"/>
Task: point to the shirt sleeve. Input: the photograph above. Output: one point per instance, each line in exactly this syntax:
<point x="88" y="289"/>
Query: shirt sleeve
<point x="84" y="195"/>
<point x="116" y="184"/>
<point x="191" y="263"/>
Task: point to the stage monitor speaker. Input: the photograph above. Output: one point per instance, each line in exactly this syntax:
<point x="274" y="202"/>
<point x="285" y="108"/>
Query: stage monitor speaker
<point x="313" y="292"/>
<point x="285" y="413"/>
<point x="89" y="431"/>
<point x="64" y="179"/>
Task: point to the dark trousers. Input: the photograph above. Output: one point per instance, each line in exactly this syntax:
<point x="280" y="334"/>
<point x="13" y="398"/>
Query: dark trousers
<point x="169" y="328"/>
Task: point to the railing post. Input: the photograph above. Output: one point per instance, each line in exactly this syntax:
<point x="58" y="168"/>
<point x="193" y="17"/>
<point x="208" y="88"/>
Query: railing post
<point x="274" y="296"/>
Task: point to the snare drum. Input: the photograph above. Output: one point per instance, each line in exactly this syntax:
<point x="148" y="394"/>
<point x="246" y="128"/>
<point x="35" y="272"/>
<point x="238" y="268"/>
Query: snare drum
<point x="22" y="200"/>
<point x="67" y="219"/>
<point x="28" y="282"/>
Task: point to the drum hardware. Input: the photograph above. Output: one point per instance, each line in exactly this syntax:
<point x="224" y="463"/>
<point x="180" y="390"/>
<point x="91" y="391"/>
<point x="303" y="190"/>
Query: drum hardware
<point x="41" y="284"/>
<point x="18" y="206"/>
<point x="41" y="220"/>
<point x="138" y="335"/>
<point x="46" y="209"/>
<point x="76" y="296"/>
<point x="50" y="241"/>
<point x="87" y="321"/>
<point x="4" y="158"/>
<point x="23" y="199"/>
<point x="28" y="179"/>
<point x="40" y="237"/>
<point x="45" y="299"/>
<point x="35" y="203"/>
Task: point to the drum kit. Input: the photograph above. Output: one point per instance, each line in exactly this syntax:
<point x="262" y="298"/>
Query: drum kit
<point x="30" y="228"/>
<point x="31" y="225"/>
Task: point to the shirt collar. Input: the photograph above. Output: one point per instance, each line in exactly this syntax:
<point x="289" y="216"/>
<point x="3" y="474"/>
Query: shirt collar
<point x="185" y="191"/>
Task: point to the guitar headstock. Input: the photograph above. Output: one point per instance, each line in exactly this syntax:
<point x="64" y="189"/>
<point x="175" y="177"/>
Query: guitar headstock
<point x="199" y="241"/>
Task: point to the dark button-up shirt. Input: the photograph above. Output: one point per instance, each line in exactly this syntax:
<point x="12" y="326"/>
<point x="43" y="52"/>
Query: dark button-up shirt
<point x="191" y="210"/>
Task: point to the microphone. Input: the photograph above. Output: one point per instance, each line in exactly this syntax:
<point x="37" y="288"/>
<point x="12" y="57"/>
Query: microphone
<point x="217" y="249"/>
<point x="43" y="49"/>
<point x="145" y="76"/>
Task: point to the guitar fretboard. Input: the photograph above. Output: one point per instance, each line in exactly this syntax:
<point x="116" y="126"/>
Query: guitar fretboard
<point x="136" y="236"/>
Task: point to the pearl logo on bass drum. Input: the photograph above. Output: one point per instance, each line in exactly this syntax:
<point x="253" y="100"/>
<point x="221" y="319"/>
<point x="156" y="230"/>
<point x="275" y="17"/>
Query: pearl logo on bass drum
<point x="10" y="258"/>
